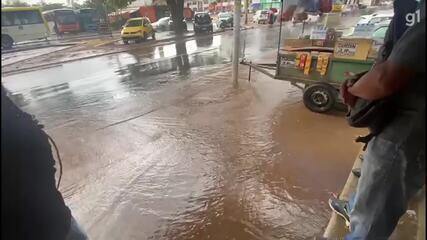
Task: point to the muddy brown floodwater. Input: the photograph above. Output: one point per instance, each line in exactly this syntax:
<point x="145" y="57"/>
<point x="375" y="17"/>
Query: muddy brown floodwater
<point x="157" y="144"/>
<point x="210" y="162"/>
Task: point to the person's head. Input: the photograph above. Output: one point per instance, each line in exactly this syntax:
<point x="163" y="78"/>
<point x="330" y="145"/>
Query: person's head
<point x="404" y="5"/>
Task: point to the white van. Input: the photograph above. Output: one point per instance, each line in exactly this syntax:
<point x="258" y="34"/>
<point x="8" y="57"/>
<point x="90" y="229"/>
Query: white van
<point x="20" y="24"/>
<point x="261" y="16"/>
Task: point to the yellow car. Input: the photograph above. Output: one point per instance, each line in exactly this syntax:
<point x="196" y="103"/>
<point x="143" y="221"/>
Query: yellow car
<point x="137" y="29"/>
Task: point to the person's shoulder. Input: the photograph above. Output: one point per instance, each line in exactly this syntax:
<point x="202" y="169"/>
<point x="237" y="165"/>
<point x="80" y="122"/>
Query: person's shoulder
<point x="415" y="34"/>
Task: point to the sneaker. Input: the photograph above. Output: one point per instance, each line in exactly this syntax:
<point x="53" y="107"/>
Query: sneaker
<point x="340" y="207"/>
<point x="357" y="172"/>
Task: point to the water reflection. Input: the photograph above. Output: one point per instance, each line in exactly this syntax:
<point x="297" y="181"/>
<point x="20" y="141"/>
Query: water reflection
<point x="182" y="58"/>
<point x="42" y="91"/>
<point x="204" y="42"/>
<point x="176" y="59"/>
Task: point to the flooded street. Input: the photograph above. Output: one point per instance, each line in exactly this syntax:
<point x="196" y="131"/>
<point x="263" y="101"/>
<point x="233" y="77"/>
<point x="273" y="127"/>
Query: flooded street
<point x="156" y="144"/>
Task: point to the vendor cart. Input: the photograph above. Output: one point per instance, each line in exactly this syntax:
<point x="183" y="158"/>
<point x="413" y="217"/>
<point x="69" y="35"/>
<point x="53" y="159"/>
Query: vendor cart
<point x="320" y="82"/>
<point x="320" y="92"/>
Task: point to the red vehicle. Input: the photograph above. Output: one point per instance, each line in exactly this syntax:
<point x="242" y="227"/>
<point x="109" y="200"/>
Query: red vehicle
<point x="66" y="20"/>
<point x="288" y="13"/>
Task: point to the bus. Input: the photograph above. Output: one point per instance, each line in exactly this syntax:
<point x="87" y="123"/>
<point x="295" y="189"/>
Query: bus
<point x="66" y="20"/>
<point x="20" y="24"/>
<point x="89" y="19"/>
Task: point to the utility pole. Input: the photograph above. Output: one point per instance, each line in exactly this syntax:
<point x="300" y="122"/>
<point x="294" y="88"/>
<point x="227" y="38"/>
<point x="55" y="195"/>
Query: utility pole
<point x="236" y="42"/>
<point x="246" y="11"/>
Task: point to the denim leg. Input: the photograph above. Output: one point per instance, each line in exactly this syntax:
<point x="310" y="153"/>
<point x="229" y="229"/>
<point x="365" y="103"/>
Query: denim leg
<point x="379" y="199"/>
<point x="76" y="232"/>
<point x="351" y="201"/>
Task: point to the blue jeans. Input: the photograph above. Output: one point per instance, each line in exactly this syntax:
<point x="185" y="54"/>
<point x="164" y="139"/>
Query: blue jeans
<point x="392" y="172"/>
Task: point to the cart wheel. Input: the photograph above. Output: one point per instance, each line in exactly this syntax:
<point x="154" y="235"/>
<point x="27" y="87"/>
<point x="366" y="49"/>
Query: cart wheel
<point x="319" y="97"/>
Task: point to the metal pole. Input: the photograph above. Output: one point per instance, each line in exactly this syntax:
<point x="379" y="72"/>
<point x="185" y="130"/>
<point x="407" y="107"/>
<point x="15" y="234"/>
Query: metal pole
<point x="302" y="31"/>
<point x="246" y="11"/>
<point x="250" y="70"/>
<point x="244" y="47"/>
<point x="280" y="38"/>
<point x="236" y="42"/>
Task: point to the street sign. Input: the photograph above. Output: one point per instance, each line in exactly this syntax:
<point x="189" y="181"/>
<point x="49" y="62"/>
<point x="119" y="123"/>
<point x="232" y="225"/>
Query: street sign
<point x="353" y="48"/>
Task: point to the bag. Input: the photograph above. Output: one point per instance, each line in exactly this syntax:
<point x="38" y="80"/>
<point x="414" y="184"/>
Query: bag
<point x="374" y="115"/>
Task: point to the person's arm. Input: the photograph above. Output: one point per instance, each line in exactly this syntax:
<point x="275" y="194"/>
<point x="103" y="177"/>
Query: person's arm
<point x="386" y="78"/>
<point x="383" y="80"/>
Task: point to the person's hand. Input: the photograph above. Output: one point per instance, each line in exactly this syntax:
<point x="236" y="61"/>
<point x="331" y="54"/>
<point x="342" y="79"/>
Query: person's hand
<point x="347" y="97"/>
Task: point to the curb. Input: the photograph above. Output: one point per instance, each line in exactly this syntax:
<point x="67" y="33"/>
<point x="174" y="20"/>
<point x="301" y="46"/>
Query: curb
<point x="38" y="47"/>
<point x="69" y="46"/>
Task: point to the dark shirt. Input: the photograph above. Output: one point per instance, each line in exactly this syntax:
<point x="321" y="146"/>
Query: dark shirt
<point x="401" y="9"/>
<point x="409" y="52"/>
<point x="409" y="103"/>
<point x="396" y="27"/>
<point x="406" y="49"/>
<point x="31" y="206"/>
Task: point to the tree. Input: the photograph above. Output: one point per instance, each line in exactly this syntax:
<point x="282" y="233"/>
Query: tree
<point x="110" y="5"/>
<point x="51" y="6"/>
<point x="89" y="4"/>
<point x="119" y="4"/>
<point x="181" y="58"/>
<point x="177" y="13"/>
<point x="77" y="5"/>
<point x="15" y="4"/>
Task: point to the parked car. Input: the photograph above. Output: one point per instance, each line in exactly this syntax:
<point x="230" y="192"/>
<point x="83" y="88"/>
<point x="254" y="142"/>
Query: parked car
<point x="286" y="15"/>
<point x="162" y="24"/>
<point x="225" y="19"/>
<point x="376" y="17"/>
<point x="380" y="18"/>
<point x="364" y="30"/>
<point x="261" y="16"/>
<point x="137" y="29"/>
<point x="313" y="17"/>
<point x="375" y="32"/>
<point x="299" y="17"/>
<point x="349" y="9"/>
<point x="172" y="25"/>
<point x="386" y="3"/>
<point x="378" y="34"/>
<point x="202" y="23"/>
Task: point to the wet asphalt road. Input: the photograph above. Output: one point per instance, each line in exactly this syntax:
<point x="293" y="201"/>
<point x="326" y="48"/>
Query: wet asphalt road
<point x="156" y="144"/>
